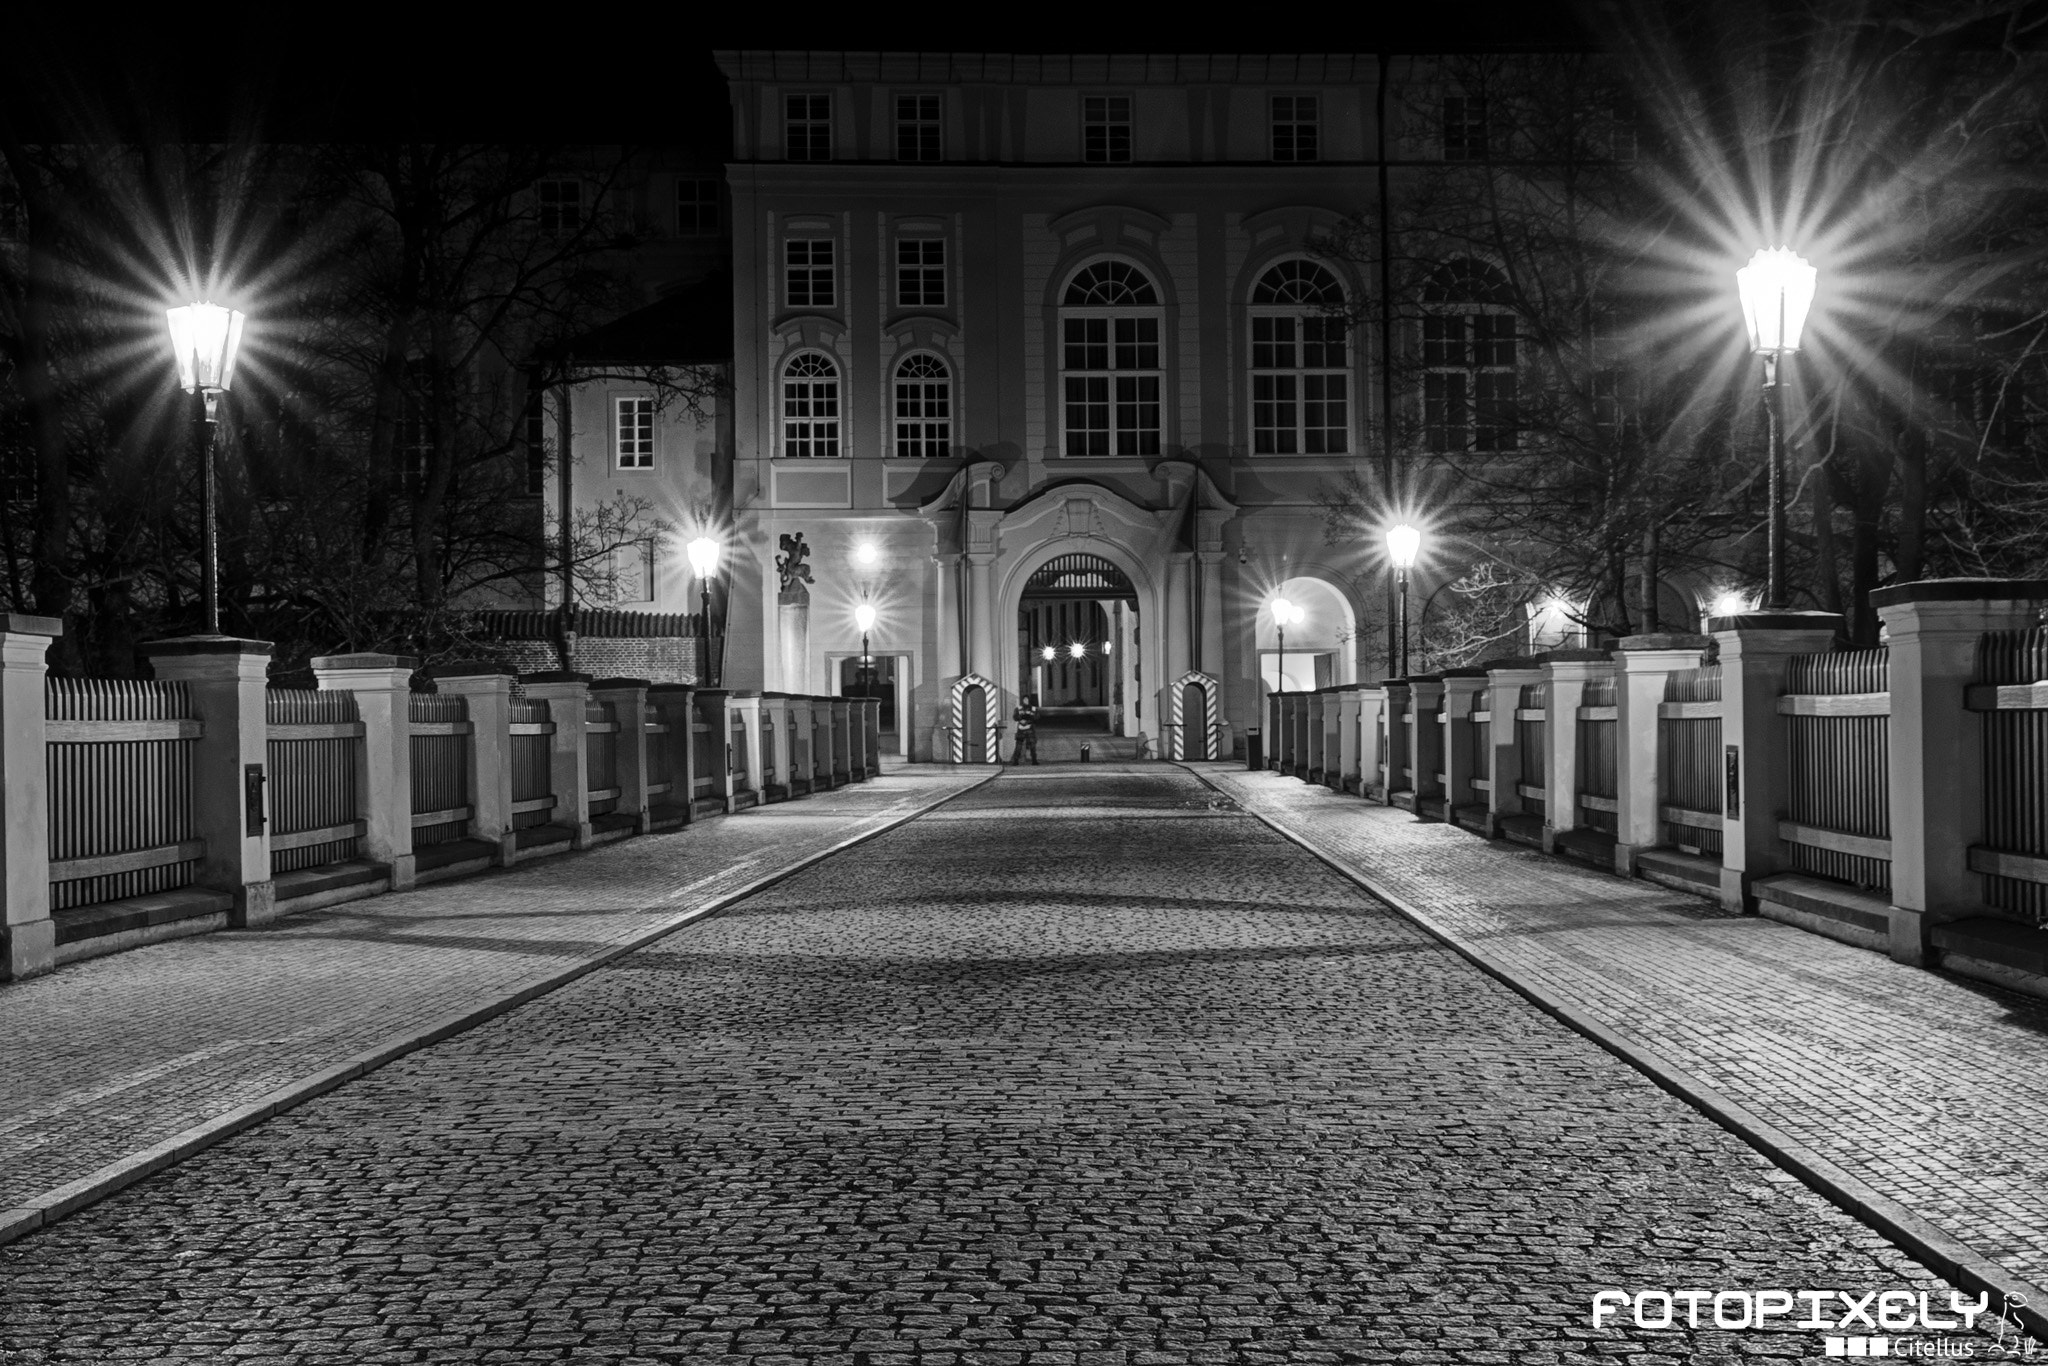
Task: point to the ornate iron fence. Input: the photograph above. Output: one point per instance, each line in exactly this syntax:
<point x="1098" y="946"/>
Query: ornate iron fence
<point x="1837" y="713"/>
<point x="119" y="767"/>
<point x="313" y="749"/>
<point x="1689" y="759"/>
<point x="441" y="745"/>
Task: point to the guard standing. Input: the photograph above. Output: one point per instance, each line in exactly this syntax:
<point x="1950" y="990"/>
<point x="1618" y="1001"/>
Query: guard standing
<point x="1026" y="717"/>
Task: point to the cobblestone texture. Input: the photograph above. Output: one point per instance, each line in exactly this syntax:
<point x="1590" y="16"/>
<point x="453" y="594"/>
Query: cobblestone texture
<point x="1931" y="1088"/>
<point x="1086" y="1068"/>
<point x="110" y="1056"/>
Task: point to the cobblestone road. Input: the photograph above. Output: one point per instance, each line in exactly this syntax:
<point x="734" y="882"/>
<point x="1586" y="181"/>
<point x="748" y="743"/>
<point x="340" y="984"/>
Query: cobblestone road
<point x="1082" y="1068"/>
<point x="1931" y="1089"/>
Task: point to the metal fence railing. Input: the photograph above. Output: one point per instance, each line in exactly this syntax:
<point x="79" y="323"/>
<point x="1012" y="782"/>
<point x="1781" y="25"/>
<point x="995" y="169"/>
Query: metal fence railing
<point x="118" y="763"/>
<point x="441" y="746"/>
<point x="1599" y="745"/>
<point x="1837" y="718"/>
<point x="601" y="755"/>
<point x="2014" y="857"/>
<point x="315" y="808"/>
<point x="532" y="744"/>
<point x="1689" y="762"/>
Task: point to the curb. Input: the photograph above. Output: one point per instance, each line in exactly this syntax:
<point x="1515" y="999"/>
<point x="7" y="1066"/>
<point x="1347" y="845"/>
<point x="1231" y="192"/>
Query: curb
<point x="52" y="1205"/>
<point x="1957" y="1262"/>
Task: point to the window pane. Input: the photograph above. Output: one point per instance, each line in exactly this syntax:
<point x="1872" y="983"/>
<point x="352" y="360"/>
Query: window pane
<point x="1087" y="415"/>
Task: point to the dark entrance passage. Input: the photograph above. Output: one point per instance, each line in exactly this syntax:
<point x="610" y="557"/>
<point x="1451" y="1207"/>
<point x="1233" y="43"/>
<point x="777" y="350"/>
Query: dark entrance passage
<point x="878" y="679"/>
<point x="1077" y="637"/>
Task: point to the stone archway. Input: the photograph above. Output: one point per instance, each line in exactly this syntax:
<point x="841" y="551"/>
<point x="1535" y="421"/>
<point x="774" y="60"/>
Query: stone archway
<point x="1144" y="587"/>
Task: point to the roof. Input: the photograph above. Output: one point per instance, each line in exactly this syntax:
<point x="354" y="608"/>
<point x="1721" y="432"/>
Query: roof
<point x="692" y="326"/>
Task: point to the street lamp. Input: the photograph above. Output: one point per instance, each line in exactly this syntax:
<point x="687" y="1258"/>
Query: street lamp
<point x="1285" y="614"/>
<point x="1777" y="289"/>
<point x="704" y="563"/>
<point x="864" y="617"/>
<point x="1404" y="543"/>
<point x="1077" y="650"/>
<point x="205" y="341"/>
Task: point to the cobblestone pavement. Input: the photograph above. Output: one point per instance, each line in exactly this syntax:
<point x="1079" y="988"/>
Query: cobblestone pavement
<point x="1085" y="1068"/>
<point x="108" y="1057"/>
<point x="1931" y="1089"/>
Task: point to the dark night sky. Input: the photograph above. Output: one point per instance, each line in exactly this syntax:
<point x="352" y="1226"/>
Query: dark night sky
<point x="626" y="75"/>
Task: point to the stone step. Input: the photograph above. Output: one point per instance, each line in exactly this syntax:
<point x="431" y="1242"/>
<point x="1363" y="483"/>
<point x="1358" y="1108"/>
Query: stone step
<point x="1994" y="950"/>
<point x="1828" y="908"/>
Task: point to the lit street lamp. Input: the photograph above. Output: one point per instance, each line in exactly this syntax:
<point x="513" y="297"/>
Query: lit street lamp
<point x="704" y="563"/>
<point x="205" y="340"/>
<point x="1077" y="650"/>
<point x="864" y="617"/>
<point x="1404" y="543"/>
<point x="1777" y="289"/>
<point x="1285" y="614"/>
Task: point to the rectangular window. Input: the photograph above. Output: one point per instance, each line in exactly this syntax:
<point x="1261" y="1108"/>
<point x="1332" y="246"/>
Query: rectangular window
<point x="697" y="208"/>
<point x="1137" y="414"/>
<point x="1325" y="414"/>
<point x="808" y="276"/>
<point x="1137" y="343"/>
<point x="560" y="206"/>
<point x="1443" y="340"/>
<point x="1322" y="343"/>
<point x="1273" y="414"/>
<point x="1446" y="419"/>
<point x="1493" y="339"/>
<point x="1273" y="344"/>
<point x="1494" y="410"/>
<point x="1294" y="127"/>
<point x="1465" y="134"/>
<point x="1106" y="128"/>
<point x="917" y="128"/>
<point x="1087" y="344"/>
<point x="1087" y="415"/>
<point x="633" y="432"/>
<point x="807" y="128"/>
<point x="921" y="273"/>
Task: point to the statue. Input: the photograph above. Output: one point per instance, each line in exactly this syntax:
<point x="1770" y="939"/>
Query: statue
<point x="795" y="574"/>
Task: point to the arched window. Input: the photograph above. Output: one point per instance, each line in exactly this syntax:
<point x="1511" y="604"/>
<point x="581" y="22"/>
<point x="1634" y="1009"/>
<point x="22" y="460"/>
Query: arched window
<point x="924" y="406"/>
<point x="810" y="406"/>
<point x="1301" y="385"/>
<point x="1110" y="361"/>
<point x="1468" y="359"/>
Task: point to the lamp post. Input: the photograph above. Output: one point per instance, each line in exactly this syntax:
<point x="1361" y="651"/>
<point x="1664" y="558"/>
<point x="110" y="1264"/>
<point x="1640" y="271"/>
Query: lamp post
<point x="1404" y="543"/>
<point x="864" y="617"/>
<point x="1777" y="289"/>
<point x="205" y="340"/>
<point x="1285" y="614"/>
<point x="704" y="563"/>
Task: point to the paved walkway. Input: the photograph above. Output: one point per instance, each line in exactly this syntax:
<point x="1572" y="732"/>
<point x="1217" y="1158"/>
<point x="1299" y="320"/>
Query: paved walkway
<point x="130" y="1059"/>
<point x="1083" y="1068"/>
<point x="1931" y="1090"/>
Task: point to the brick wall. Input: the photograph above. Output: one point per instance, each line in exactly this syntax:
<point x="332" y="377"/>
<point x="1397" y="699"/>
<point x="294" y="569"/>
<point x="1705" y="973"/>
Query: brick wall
<point x="658" y="659"/>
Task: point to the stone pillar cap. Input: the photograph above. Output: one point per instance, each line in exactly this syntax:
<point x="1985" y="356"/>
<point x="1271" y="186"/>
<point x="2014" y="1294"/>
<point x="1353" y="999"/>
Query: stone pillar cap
<point x="1666" y="640"/>
<point x="205" y="645"/>
<point x="1961" y="590"/>
<point x="21" y="624"/>
<point x="1776" y="621"/>
<point x="367" y="661"/>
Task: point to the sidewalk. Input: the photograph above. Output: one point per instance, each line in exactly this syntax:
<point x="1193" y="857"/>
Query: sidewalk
<point x="118" y="1066"/>
<point x="1919" y="1099"/>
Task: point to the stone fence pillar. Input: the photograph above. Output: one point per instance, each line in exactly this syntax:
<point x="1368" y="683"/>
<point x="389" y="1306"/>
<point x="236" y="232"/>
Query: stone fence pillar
<point x="488" y="691"/>
<point x="1937" y="743"/>
<point x="1511" y="767"/>
<point x="29" y="947"/>
<point x="225" y="679"/>
<point x="1755" y="650"/>
<point x="382" y="685"/>
<point x="568" y="770"/>
<point x="628" y="699"/>
<point x="1461" y="696"/>
<point x="1425" y="740"/>
<point x="1569" y="671"/>
<point x="1647" y="663"/>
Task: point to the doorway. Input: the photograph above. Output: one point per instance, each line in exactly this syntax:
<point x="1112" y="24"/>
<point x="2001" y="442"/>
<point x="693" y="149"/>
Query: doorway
<point x="1077" y="646"/>
<point x="877" y="679"/>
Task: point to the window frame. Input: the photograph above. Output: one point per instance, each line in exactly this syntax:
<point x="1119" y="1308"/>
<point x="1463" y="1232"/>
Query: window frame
<point x="1313" y="123"/>
<point x="1122" y="388"/>
<point x="830" y="270"/>
<point x="645" y="440"/>
<point x="1108" y="123"/>
<point x="1470" y="352"/>
<point x="1467" y="117"/>
<point x="547" y="215"/>
<point x="811" y="122"/>
<point x="1306" y="387"/>
<point x="835" y="420"/>
<point x="918" y="124"/>
<point x="715" y="206"/>
<point x="925" y="271"/>
<point x="938" y="429"/>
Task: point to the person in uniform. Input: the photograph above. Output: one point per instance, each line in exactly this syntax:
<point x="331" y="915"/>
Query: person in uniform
<point x="1026" y="717"/>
